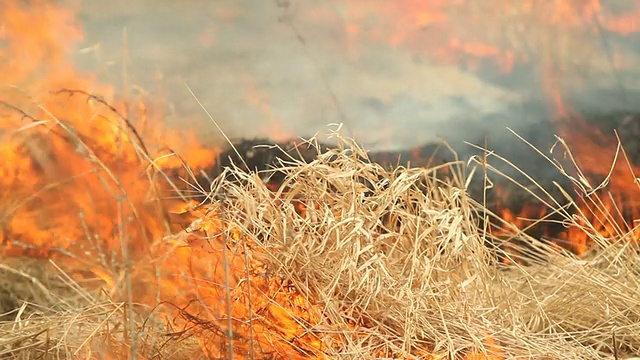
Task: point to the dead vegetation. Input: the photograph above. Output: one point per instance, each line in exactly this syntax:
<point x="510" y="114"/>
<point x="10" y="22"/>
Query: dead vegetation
<point x="347" y="260"/>
<point x="48" y="313"/>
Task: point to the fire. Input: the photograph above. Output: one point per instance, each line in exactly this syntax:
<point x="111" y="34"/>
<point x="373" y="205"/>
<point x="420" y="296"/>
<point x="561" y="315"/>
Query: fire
<point x="606" y="203"/>
<point x="79" y="181"/>
<point x="558" y="31"/>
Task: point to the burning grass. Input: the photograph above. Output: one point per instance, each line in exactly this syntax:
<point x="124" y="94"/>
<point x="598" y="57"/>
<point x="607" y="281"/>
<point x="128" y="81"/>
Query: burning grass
<point x="345" y="260"/>
<point x="396" y="261"/>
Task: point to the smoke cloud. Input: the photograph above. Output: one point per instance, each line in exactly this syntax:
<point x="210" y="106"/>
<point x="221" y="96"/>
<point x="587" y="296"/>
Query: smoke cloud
<point x="396" y="74"/>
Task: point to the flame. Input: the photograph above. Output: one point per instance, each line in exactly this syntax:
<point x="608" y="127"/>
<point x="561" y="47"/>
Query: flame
<point x="605" y="206"/>
<point x="556" y="36"/>
<point x="81" y="183"/>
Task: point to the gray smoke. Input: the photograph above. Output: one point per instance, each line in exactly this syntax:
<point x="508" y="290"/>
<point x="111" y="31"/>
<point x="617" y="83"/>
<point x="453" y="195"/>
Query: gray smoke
<point x="290" y="67"/>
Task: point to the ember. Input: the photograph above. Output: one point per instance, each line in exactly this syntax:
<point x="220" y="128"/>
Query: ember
<point x="304" y="249"/>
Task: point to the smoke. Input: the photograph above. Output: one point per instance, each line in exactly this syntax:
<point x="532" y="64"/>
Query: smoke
<point x="396" y="75"/>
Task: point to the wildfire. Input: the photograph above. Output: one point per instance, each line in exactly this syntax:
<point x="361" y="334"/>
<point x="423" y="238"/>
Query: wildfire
<point x="78" y="179"/>
<point x="81" y="183"/>
<point x="605" y="204"/>
<point x="557" y="36"/>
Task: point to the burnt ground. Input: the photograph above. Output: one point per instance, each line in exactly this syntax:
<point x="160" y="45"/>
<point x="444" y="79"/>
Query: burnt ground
<point x="264" y="154"/>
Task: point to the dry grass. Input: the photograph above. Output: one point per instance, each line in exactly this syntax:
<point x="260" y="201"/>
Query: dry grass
<point x="48" y="314"/>
<point x="390" y="263"/>
<point x="398" y="258"/>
